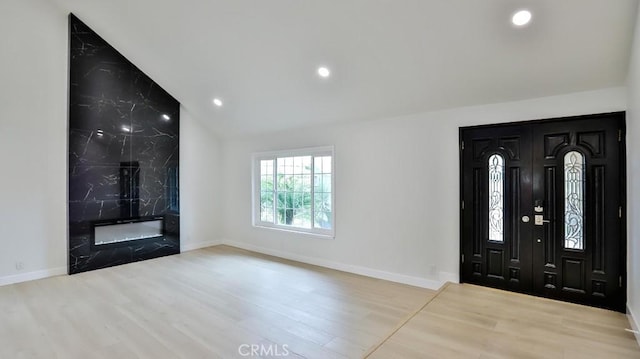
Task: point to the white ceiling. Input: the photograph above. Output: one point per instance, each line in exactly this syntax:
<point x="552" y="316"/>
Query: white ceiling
<point x="388" y="57"/>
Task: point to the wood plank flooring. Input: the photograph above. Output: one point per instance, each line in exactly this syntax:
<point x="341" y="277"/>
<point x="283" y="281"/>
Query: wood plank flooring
<point x="467" y="321"/>
<point x="217" y="302"/>
<point x="202" y="304"/>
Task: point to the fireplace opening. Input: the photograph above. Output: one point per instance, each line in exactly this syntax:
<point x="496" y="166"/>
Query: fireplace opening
<point x="126" y="230"/>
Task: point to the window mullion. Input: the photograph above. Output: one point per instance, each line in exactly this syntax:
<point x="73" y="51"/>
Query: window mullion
<point x="258" y="189"/>
<point x="274" y="193"/>
<point x="313" y="195"/>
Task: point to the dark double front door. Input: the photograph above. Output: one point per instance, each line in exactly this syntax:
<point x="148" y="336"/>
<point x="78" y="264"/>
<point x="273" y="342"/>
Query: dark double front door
<point x="543" y="208"/>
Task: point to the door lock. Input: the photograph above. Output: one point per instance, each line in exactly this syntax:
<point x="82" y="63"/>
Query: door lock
<point x="525" y="219"/>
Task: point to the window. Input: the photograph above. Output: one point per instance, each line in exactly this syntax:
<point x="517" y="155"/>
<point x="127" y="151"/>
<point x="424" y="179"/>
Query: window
<point x="293" y="190"/>
<point x="496" y="198"/>
<point x="574" y="200"/>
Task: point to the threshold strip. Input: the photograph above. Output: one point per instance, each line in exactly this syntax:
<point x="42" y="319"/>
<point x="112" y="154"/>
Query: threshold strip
<point x="403" y="322"/>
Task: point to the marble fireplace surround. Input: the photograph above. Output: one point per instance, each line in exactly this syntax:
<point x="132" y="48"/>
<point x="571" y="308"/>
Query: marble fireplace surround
<point x="123" y="158"/>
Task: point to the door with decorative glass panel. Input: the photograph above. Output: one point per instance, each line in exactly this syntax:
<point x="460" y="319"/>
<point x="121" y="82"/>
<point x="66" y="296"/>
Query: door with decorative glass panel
<point x="542" y="208"/>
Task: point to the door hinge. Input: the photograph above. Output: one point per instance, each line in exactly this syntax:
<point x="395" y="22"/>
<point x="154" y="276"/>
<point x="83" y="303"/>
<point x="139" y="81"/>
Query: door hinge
<point x="462" y="146"/>
<point x="463" y="258"/>
<point x="620" y="212"/>
<point x="620" y="281"/>
<point x="463" y="205"/>
<point x="619" y="135"/>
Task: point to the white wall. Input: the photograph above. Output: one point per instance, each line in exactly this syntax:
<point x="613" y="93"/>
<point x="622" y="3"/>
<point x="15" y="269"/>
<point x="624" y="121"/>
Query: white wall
<point x="201" y="200"/>
<point x="33" y="138"/>
<point x="633" y="182"/>
<point x="33" y="148"/>
<point x="397" y="187"/>
<point x="402" y="223"/>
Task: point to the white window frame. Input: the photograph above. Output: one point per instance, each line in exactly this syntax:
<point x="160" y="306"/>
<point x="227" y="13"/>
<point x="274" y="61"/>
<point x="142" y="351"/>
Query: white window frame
<point x="255" y="193"/>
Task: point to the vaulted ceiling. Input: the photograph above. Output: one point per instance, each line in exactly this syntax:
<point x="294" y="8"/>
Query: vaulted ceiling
<point x="387" y="57"/>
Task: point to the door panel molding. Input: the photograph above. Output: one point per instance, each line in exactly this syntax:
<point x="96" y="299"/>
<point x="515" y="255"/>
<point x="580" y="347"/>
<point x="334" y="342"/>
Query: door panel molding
<point x="514" y="223"/>
<point x="532" y="257"/>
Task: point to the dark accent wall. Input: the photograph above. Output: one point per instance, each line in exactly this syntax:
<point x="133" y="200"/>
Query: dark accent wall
<point x="123" y="153"/>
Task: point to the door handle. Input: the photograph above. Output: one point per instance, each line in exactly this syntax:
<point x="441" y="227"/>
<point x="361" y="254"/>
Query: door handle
<point x="539" y="220"/>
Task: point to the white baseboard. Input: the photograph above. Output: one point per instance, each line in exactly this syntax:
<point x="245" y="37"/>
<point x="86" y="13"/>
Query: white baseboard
<point x="185" y="247"/>
<point x="25" y="277"/>
<point x="445" y="277"/>
<point x="45" y="273"/>
<point x="368" y="272"/>
<point x="635" y="326"/>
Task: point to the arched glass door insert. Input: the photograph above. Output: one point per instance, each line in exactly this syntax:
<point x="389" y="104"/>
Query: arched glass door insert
<point x="496" y="198"/>
<point x="574" y="200"/>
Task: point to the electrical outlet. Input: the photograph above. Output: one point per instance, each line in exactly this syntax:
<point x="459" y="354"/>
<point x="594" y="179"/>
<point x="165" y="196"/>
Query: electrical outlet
<point x="19" y="266"/>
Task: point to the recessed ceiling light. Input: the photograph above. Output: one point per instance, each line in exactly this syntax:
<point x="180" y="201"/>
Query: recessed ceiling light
<point x="521" y="17"/>
<point x="217" y="102"/>
<point x="126" y="128"/>
<point x="166" y="117"/>
<point x="323" y="71"/>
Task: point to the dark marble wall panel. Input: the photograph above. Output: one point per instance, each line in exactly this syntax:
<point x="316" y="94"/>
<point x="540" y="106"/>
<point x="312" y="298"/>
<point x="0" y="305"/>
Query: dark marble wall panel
<point x="123" y="152"/>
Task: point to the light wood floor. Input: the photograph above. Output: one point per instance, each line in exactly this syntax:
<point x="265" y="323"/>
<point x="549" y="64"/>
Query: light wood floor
<point x="467" y="321"/>
<point x="202" y="304"/>
<point x="208" y="303"/>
